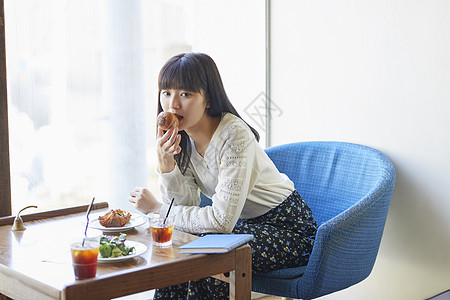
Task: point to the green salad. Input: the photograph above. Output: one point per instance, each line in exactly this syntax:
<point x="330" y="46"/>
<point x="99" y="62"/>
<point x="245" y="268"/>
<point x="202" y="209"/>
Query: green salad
<point x="114" y="246"/>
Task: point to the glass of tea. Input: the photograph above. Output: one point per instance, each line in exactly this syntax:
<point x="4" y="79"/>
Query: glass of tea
<point x="161" y="231"/>
<point x="84" y="250"/>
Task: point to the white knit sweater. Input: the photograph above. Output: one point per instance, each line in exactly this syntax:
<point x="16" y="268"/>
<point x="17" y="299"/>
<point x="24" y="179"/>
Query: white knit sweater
<point x="235" y="172"/>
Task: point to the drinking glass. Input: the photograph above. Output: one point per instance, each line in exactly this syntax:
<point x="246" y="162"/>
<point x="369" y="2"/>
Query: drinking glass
<point x="161" y="231"/>
<point x="84" y="250"/>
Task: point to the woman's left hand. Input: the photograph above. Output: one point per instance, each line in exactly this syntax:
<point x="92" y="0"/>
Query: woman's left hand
<point x="143" y="200"/>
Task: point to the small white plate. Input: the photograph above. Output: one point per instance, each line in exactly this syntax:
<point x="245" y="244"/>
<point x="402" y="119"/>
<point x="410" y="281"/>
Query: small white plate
<point x="134" y="221"/>
<point x="139" y="249"/>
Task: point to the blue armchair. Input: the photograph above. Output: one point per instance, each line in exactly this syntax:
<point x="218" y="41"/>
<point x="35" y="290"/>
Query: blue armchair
<point x="348" y="188"/>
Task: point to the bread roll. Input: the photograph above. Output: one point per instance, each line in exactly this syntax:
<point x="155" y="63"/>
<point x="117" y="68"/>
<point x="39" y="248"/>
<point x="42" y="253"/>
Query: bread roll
<point x="115" y="218"/>
<point x="166" y="120"/>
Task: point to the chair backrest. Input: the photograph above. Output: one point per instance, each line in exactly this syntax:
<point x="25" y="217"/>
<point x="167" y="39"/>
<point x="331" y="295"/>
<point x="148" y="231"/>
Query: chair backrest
<point x="348" y="188"/>
<point x="330" y="176"/>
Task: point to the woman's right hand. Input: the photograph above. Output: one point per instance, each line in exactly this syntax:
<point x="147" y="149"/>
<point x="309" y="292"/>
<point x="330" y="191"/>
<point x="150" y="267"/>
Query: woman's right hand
<point x="167" y="146"/>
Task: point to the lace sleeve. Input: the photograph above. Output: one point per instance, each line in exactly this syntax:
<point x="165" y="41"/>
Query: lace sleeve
<point x="183" y="188"/>
<point x="235" y="155"/>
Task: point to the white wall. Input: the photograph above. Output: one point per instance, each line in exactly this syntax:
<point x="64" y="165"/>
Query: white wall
<point x="376" y="73"/>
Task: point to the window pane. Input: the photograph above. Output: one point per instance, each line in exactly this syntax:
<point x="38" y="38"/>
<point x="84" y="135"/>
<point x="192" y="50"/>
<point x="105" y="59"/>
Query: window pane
<point x="82" y="88"/>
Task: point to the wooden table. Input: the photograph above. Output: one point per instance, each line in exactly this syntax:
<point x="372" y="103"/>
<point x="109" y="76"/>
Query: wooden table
<point x="36" y="264"/>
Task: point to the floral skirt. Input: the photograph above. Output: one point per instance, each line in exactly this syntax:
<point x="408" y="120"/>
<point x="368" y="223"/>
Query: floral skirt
<point x="282" y="238"/>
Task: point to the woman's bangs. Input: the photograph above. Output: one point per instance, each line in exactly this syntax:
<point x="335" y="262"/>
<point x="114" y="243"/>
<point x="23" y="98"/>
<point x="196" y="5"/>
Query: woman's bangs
<point x="178" y="77"/>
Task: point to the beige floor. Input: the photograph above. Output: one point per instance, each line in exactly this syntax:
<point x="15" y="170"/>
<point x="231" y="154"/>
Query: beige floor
<point x="149" y="295"/>
<point x="257" y="296"/>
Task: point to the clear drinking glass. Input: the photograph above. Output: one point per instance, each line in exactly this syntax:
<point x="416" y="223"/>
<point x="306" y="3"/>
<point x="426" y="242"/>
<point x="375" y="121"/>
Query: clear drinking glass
<point x="161" y="231"/>
<point x="84" y="250"/>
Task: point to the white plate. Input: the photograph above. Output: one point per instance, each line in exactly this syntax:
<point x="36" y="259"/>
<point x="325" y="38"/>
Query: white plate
<point x="134" y="221"/>
<point x="139" y="249"/>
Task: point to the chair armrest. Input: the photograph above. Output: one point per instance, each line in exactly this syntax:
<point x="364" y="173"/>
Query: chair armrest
<point x="346" y="246"/>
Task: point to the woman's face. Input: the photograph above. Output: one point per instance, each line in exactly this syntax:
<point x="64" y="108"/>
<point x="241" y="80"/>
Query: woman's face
<point x="188" y="106"/>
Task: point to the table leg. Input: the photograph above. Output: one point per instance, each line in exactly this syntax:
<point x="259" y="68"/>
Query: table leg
<point x="241" y="277"/>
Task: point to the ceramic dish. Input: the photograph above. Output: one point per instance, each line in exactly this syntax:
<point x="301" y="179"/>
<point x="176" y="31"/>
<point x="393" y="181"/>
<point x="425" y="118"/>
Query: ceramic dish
<point x="134" y="222"/>
<point x="139" y="250"/>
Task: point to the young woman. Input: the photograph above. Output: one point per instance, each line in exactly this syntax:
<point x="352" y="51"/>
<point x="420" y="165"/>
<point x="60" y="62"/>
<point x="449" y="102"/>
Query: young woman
<point x="213" y="150"/>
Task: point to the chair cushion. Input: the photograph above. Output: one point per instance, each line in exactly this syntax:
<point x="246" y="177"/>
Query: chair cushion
<point x="287" y="273"/>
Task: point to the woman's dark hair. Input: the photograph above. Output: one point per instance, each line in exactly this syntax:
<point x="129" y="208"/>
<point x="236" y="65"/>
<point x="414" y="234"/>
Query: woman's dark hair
<point x="196" y="72"/>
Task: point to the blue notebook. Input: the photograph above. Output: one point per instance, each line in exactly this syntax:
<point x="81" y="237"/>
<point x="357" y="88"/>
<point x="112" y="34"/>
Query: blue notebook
<point x="216" y="243"/>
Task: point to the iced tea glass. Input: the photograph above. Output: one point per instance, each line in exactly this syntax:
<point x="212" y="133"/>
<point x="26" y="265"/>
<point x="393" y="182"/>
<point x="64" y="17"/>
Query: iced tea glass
<point x="161" y="231"/>
<point x="84" y="252"/>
